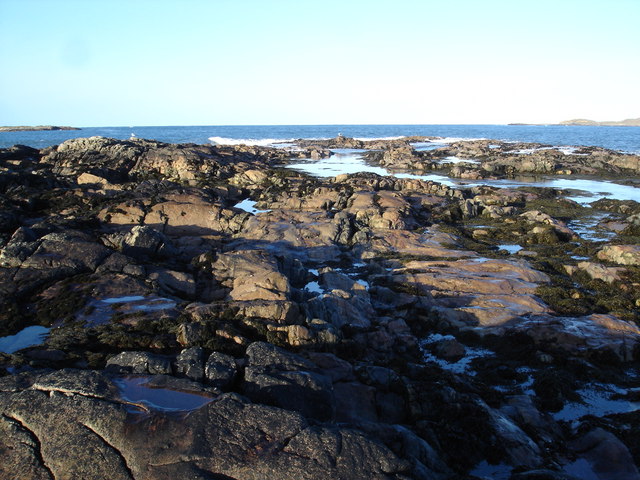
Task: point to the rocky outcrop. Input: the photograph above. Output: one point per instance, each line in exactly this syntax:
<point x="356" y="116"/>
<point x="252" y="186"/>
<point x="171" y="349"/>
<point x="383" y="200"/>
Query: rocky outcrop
<point x="200" y="312"/>
<point x="228" y="436"/>
<point x="478" y="159"/>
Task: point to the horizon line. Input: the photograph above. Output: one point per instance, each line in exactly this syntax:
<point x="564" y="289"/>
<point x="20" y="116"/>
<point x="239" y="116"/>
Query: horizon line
<point x="284" y="125"/>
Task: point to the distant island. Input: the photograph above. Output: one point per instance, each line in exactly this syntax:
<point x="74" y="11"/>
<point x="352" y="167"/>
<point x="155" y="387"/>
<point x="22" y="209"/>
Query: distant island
<point x="630" y="122"/>
<point x="35" y="128"/>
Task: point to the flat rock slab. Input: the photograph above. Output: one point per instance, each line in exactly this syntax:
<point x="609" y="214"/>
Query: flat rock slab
<point x="74" y="424"/>
<point x="477" y="292"/>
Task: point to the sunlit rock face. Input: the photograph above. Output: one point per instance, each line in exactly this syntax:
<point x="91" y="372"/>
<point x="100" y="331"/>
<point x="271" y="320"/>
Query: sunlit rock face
<point x="621" y="254"/>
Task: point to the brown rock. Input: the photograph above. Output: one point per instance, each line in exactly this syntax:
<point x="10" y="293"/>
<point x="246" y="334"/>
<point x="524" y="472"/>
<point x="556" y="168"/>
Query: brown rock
<point x="597" y="271"/>
<point x="621" y="254"/>
<point x="193" y="215"/>
<point x="251" y="275"/>
<point x="582" y="335"/>
<point x="477" y="292"/>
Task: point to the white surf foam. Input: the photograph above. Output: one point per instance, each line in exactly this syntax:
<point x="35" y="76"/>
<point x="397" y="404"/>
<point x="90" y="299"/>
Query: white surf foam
<point x="448" y="140"/>
<point x="370" y="139"/>
<point x="258" y="142"/>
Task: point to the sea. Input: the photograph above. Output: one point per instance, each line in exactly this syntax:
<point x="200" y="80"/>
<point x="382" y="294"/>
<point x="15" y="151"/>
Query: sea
<point x="626" y="139"/>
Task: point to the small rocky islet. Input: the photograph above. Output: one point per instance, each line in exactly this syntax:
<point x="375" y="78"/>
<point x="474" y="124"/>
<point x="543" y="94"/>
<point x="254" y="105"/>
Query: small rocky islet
<point x="204" y="312"/>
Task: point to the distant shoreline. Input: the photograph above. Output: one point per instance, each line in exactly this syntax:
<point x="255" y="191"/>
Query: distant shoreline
<point x="582" y="122"/>
<point x="36" y="128"/>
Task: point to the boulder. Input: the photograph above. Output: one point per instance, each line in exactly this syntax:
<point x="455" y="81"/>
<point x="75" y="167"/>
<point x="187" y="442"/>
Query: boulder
<point x="191" y="333"/>
<point x="430" y="243"/>
<point x="340" y="309"/>
<point x="355" y="402"/>
<point x="521" y="410"/>
<point x="190" y="363"/>
<point x="597" y="271"/>
<point x="535" y="216"/>
<point x="140" y="362"/>
<point x="193" y="214"/>
<point x="308" y="236"/>
<point x="606" y="457"/>
<point x="73" y="252"/>
<point x="146" y="242"/>
<point x="220" y="370"/>
<point x="337" y="369"/>
<point x="621" y="254"/>
<point x="89" y="179"/>
<point x="19" y="247"/>
<point x="251" y="275"/>
<point x="449" y="349"/>
<point x="519" y="448"/>
<point x="179" y="284"/>
<point x="126" y="213"/>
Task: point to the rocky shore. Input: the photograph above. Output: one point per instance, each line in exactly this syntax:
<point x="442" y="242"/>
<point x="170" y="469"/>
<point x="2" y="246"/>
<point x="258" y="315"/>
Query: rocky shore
<point x="204" y="312"/>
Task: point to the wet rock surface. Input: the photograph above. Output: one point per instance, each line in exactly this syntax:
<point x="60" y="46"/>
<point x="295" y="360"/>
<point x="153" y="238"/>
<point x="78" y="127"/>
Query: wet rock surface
<point x="202" y="312"/>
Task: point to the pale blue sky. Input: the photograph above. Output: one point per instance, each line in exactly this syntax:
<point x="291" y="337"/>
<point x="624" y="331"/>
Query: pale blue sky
<point x="225" y="62"/>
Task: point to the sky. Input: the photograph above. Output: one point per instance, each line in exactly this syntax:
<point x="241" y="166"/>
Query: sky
<point x="288" y="62"/>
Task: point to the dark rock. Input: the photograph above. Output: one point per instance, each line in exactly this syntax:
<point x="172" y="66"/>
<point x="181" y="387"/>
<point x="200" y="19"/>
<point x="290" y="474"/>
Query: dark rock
<point x="449" y="349"/>
<point x="355" y="402"/>
<point x="190" y="334"/>
<point x="190" y="363"/>
<point x="606" y="455"/>
<point x="21" y="244"/>
<point x="70" y="251"/>
<point x="47" y="355"/>
<point x="140" y="362"/>
<point x="521" y="409"/>
<point x="96" y="233"/>
<point x="353" y="447"/>
<point x="335" y="368"/>
<point x="146" y="242"/>
<point x="277" y="377"/>
<point x="379" y="377"/>
<point x="19" y="152"/>
<point x="542" y="475"/>
<point x="226" y="438"/>
<point x="427" y="462"/>
<point x="220" y="370"/>
<point x="341" y="309"/>
<point x="391" y="407"/>
<point x="174" y="283"/>
<point x="105" y="157"/>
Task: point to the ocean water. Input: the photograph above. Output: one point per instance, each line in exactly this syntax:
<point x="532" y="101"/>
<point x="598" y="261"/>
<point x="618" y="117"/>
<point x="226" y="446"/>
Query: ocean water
<point x="617" y="138"/>
<point x="583" y="191"/>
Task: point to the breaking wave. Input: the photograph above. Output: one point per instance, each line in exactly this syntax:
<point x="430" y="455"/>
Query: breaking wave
<point x="259" y="142"/>
<point x="369" y="139"/>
